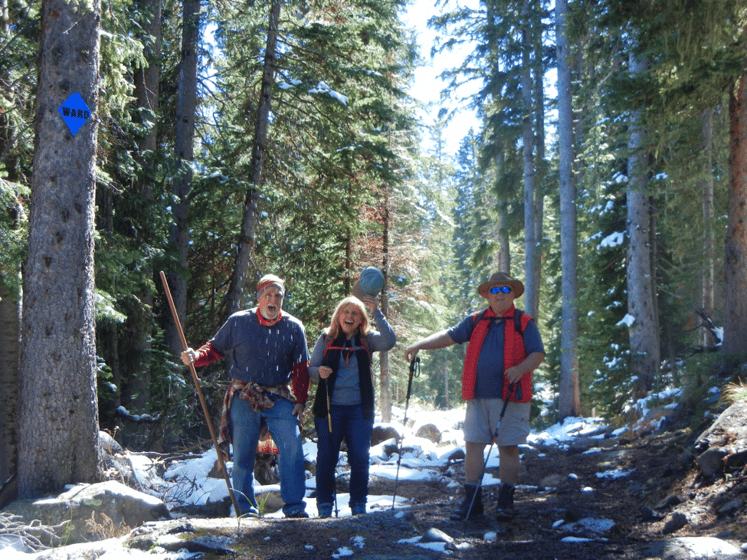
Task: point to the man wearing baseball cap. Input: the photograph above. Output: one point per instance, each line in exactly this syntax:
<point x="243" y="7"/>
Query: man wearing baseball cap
<point x="268" y="350"/>
<point x="504" y="348"/>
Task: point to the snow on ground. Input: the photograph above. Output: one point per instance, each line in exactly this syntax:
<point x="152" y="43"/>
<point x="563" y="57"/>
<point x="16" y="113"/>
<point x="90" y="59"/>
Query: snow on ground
<point x="186" y="482"/>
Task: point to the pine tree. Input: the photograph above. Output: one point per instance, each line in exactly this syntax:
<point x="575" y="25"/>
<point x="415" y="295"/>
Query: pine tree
<point x="58" y="347"/>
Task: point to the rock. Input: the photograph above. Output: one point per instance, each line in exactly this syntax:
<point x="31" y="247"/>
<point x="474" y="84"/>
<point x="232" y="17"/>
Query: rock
<point x="552" y="481"/>
<point x="675" y="522"/>
<point x="455" y="456"/>
<point x="383" y="432"/>
<point x="581" y="444"/>
<point x="710" y="462"/>
<point x="115" y="462"/>
<point x="669" y="502"/>
<point x="94" y="510"/>
<point x="736" y="461"/>
<point x="648" y="515"/>
<point x="208" y="544"/>
<point x="108" y="444"/>
<point x="694" y="548"/>
<point x="429" y="432"/>
<point x="589" y="527"/>
<point x="724" y="443"/>
<point x="730" y="507"/>
<point x="730" y="424"/>
<point x="436" y="535"/>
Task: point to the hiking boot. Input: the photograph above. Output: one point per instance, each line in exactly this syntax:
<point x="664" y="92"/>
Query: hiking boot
<point x="250" y="511"/>
<point x="473" y="499"/>
<point x="325" y="510"/>
<point x="505" y="510"/>
<point x="358" y="509"/>
<point x="298" y="514"/>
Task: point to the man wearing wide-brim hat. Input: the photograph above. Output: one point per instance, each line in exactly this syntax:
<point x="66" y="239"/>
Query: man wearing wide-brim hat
<point x="504" y="349"/>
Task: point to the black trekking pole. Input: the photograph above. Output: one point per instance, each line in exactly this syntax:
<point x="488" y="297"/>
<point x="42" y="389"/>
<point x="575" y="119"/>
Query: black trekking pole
<point x="511" y="389"/>
<point x="332" y="445"/>
<point x="413" y="363"/>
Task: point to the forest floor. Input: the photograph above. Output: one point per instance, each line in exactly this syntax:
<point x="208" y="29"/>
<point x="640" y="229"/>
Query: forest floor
<point x="654" y="467"/>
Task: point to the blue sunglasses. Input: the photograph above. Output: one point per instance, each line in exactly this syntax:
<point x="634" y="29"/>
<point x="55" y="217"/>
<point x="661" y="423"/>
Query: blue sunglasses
<point x="497" y="289"/>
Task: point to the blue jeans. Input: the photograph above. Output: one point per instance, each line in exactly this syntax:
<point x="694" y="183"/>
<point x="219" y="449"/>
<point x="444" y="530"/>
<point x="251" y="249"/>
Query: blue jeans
<point x="283" y="426"/>
<point x="348" y="423"/>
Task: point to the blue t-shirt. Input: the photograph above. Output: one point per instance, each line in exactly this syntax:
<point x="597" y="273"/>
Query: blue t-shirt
<point x="489" y="382"/>
<point x="265" y="355"/>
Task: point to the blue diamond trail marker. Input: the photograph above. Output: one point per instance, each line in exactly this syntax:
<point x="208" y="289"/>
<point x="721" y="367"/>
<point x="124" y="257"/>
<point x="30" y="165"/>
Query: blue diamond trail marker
<point x="74" y="112"/>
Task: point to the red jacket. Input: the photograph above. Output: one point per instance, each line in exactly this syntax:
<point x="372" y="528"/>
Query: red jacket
<point x="514" y="352"/>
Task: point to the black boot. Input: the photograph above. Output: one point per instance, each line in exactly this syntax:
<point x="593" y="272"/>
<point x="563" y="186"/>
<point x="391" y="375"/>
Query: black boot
<point x="505" y="510"/>
<point x="471" y="506"/>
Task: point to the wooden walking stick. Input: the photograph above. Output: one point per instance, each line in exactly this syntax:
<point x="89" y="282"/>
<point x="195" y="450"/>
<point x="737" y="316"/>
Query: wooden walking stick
<point x="196" y="380"/>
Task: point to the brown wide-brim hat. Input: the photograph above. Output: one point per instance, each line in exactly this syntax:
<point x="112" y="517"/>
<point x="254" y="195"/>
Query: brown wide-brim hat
<point x="500" y="279"/>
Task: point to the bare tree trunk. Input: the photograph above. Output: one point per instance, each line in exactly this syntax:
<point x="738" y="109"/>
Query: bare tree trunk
<point x="186" y="105"/>
<point x="735" y="270"/>
<point x="58" y="425"/>
<point x="10" y="329"/>
<point x="446" y="385"/>
<point x="4" y="16"/>
<point x="139" y="325"/>
<point x="385" y="401"/>
<point x="504" y="247"/>
<point x="249" y="220"/>
<point x="569" y="403"/>
<point x="644" y="337"/>
<point x="707" y="283"/>
<point x="531" y="298"/>
<point x="503" y="257"/>
<point x="539" y="119"/>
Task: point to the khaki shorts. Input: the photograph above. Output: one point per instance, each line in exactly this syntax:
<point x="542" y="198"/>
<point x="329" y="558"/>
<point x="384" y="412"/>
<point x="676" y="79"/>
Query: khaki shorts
<point x="483" y="416"/>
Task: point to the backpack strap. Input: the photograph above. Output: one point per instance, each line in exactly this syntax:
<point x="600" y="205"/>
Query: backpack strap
<point x="517" y="319"/>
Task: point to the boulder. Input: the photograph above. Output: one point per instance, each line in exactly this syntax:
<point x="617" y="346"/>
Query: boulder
<point x="383" y="432"/>
<point x="724" y="442"/>
<point x="691" y="548"/>
<point x="429" y="432"/>
<point x="94" y="511"/>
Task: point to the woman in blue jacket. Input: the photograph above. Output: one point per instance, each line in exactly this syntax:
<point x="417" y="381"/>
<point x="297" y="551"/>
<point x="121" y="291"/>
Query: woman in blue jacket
<point x="344" y="404"/>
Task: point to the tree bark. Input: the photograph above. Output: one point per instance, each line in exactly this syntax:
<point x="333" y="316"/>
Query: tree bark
<point x="139" y="325"/>
<point x="385" y="400"/>
<point x="735" y="268"/>
<point x="707" y="275"/>
<point x="10" y="328"/>
<point x="249" y="220"/>
<point x="531" y="298"/>
<point x="643" y="334"/>
<point x="539" y="119"/>
<point x="569" y="403"/>
<point x="58" y="415"/>
<point x="184" y="147"/>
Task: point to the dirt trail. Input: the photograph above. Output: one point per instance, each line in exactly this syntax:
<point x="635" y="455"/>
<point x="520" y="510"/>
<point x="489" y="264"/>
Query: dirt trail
<point x="652" y="469"/>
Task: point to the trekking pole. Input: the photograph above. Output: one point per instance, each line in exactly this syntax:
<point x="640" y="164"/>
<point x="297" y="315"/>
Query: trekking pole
<point x="511" y="389"/>
<point x="205" y="411"/>
<point x="332" y="445"/>
<point x="413" y="363"/>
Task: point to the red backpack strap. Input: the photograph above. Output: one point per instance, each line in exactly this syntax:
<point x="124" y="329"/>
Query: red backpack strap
<point x="327" y="344"/>
<point x="364" y="343"/>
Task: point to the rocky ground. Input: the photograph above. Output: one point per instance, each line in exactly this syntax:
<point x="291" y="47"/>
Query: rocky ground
<point x="595" y="498"/>
<point x="566" y="510"/>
